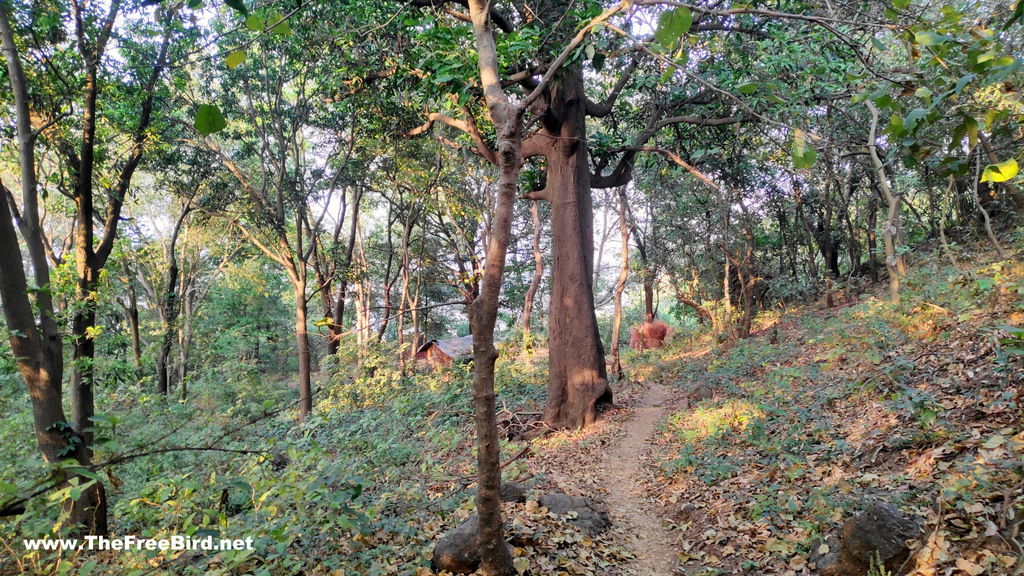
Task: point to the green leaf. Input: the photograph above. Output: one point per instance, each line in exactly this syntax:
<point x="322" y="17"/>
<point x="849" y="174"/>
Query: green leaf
<point x="672" y="25"/>
<point x="195" y="4"/>
<point x="748" y="88"/>
<point x="803" y="155"/>
<point x="209" y="120"/>
<point x="963" y="82"/>
<point x="1000" y="172"/>
<point x="235" y="59"/>
<point x="929" y="38"/>
<point x="279" y="25"/>
<point x="901" y="4"/>
<point x="238" y="6"/>
<point x="255" y="23"/>
<point x="598" y="61"/>
<point x="878" y="44"/>
<point x="972" y="131"/>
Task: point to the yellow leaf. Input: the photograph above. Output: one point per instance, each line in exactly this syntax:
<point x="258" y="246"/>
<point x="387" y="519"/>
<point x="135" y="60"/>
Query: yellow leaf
<point x="823" y="549"/>
<point x="969" y="567"/>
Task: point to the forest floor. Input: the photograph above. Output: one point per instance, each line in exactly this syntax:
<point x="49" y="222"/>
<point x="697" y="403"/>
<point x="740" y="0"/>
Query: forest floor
<point x="612" y="478"/>
<point x="918" y="405"/>
<point x="820" y="413"/>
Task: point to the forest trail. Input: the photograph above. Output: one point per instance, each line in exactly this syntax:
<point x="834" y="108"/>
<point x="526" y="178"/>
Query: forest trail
<point x="628" y="507"/>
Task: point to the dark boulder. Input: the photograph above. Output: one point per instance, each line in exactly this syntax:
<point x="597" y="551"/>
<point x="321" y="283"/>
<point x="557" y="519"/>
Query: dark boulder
<point x="459" y="550"/>
<point x="880" y="532"/>
<point x="590" y="516"/>
<point x="513" y="492"/>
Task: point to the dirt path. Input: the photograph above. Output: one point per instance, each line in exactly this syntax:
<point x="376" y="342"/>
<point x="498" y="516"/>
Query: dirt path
<point x="627" y="502"/>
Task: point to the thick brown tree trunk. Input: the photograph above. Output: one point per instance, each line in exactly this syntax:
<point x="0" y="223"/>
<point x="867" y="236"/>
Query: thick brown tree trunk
<point x="38" y="348"/>
<point x="578" y="377"/>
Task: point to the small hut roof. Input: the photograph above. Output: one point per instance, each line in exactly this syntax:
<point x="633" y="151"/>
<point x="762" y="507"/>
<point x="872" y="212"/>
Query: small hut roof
<point x="453" y="347"/>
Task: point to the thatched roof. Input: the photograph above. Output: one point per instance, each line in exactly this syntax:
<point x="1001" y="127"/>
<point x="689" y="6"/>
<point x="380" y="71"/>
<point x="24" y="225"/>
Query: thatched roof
<point x="456" y="348"/>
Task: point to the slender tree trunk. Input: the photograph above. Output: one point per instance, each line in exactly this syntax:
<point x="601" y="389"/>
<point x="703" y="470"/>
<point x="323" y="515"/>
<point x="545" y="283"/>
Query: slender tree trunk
<point x="538" y="268"/>
<point x="496" y="559"/>
<point x="133" y="319"/>
<point x="812" y="266"/>
<point x="891" y="227"/>
<point x="185" y="342"/>
<point x="942" y="223"/>
<point x="984" y="212"/>
<point x="302" y="340"/>
<point x="337" y="325"/>
<point x="620" y="286"/>
<point x="872" y="236"/>
<point x="170" y="307"/>
<point x="727" y="290"/>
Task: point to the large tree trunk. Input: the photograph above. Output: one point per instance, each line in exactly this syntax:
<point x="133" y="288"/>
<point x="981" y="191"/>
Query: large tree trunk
<point x="38" y="349"/>
<point x="83" y="328"/>
<point x="620" y="286"/>
<point x="578" y="376"/>
<point x="538" y="268"/>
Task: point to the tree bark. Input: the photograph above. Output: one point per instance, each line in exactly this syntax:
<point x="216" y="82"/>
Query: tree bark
<point x="133" y="318"/>
<point x="38" y="349"/>
<point x="873" y="236"/>
<point x="538" y="268"/>
<point x="620" y="286"/>
<point x="893" y="261"/>
<point x="578" y="377"/>
<point x="170" y="307"/>
<point x="302" y="341"/>
<point x="338" y="318"/>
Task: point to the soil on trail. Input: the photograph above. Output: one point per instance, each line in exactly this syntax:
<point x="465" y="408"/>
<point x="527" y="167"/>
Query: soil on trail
<point x="608" y="462"/>
<point x="629" y="507"/>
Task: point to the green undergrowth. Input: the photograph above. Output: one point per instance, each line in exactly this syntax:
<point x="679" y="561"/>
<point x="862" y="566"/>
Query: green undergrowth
<point x="917" y="404"/>
<point x="362" y="487"/>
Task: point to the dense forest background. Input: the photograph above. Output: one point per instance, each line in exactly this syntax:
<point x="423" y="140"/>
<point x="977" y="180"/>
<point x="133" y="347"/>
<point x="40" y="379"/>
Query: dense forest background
<point x="227" y="229"/>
